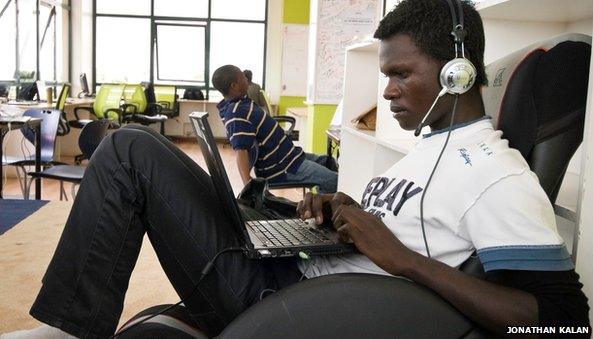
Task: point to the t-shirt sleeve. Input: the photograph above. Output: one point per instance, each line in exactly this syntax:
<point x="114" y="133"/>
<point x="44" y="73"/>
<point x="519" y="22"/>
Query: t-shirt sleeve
<point x="513" y="227"/>
<point x="241" y="133"/>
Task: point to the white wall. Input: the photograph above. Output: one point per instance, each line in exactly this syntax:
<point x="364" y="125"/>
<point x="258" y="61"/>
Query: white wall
<point x="82" y="42"/>
<point x="274" y="50"/>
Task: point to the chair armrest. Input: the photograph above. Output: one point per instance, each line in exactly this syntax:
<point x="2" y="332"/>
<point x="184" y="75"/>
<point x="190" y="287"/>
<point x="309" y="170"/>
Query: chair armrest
<point x="158" y="108"/>
<point x="83" y="108"/>
<point x="352" y="306"/>
<point x="165" y="104"/>
<point x="118" y="111"/>
<point x="286" y="119"/>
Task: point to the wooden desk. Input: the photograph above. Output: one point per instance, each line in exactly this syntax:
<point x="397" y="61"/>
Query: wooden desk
<point x="34" y="123"/>
<point x="70" y="102"/>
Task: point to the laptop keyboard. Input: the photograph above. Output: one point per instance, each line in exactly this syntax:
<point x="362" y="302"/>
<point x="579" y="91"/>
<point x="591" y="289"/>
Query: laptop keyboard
<point x="289" y="232"/>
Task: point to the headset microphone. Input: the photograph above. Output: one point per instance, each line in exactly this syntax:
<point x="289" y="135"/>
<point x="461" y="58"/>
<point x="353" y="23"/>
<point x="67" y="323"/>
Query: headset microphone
<point x="421" y="124"/>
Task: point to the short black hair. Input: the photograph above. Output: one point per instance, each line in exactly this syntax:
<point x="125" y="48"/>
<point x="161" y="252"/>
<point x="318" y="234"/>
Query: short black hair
<point x="223" y="77"/>
<point x="248" y="74"/>
<point x="429" y="24"/>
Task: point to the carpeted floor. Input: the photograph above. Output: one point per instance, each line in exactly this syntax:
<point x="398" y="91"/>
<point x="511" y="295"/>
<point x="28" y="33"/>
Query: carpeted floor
<point x="13" y="211"/>
<point x="25" y="251"/>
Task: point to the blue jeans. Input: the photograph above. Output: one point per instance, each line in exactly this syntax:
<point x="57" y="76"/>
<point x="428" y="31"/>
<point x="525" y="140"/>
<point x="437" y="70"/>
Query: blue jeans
<point x="313" y="170"/>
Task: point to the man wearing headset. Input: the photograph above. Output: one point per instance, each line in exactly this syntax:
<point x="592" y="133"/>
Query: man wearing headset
<point x="482" y="197"/>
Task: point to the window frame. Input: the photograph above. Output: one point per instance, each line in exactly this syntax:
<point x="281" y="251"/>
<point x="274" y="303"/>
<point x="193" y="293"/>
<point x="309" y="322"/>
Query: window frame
<point x="154" y="21"/>
<point x="66" y="6"/>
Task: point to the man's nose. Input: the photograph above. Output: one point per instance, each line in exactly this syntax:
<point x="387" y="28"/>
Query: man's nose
<point x="391" y="91"/>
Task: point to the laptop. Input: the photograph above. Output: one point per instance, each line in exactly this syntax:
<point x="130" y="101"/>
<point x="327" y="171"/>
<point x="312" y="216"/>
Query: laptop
<point x="264" y="238"/>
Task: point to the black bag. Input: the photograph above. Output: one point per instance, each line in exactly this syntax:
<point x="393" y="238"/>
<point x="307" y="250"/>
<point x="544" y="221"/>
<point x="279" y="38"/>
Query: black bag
<point x="27" y="92"/>
<point x="256" y="196"/>
<point x="193" y="93"/>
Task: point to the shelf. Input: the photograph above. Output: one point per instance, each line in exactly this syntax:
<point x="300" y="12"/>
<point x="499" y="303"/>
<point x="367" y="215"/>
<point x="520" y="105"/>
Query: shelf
<point x="365" y="46"/>
<point x="536" y="11"/>
<point x="364" y="134"/>
<point x="400" y="145"/>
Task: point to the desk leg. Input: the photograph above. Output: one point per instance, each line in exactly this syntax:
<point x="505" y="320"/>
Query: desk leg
<point x="37" y="161"/>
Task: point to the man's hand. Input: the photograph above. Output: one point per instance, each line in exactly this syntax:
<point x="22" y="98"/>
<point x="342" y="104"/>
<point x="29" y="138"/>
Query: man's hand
<point x="372" y="238"/>
<point x="243" y="165"/>
<point x="322" y="206"/>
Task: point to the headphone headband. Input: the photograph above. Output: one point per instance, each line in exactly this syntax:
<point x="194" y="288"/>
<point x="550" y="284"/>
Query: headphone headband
<point x="459" y="74"/>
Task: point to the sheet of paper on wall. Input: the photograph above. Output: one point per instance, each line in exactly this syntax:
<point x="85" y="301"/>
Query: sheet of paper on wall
<point x="367" y="120"/>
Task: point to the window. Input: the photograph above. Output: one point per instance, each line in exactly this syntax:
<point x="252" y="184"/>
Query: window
<point x="178" y="42"/>
<point x="122" y="50"/>
<point x="181" y="8"/>
<point x="36" y="54"/>
<point x="186" y="63"/>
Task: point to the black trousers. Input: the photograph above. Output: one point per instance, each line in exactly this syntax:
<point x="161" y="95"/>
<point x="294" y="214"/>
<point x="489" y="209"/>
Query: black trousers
<point x="138" y="182"/>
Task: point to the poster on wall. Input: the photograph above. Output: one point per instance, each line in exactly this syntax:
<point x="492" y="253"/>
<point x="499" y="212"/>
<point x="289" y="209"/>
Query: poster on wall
<point x="294" y="60"/>
<point x="339" y="24"/>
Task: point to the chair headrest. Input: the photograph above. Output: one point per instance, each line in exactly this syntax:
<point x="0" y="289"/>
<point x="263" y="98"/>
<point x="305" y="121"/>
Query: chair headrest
<point x="537" y="92"/>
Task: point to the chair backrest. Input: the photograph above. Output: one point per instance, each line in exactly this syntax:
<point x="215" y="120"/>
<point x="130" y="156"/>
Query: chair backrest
<point x="109" y="96"/>
<point x="61" y="102"/>
<point x="49" y="130"/>
<point x="267" y="100"/>
<point x="91" y="136"/>
<point x="537" y="97"/>
<point x="164" y="93"/>
<point x="134" y="95"/>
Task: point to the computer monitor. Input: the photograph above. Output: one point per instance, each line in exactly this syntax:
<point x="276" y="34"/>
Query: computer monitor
<point x="84" y="84"/>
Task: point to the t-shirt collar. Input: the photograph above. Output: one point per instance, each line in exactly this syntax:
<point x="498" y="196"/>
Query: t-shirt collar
<point x="455" y="126"/>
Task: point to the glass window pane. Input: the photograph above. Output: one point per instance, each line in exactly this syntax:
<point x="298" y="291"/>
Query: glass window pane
<point x="133" y="7"/>
<point x="239" y="9"/>
<point x="7" y="41"/>
<point x="27" y="39"/>
<point x="123" y="50"/>
<point x="47" y="41"/>
<point x="181" y="61"/>
<point x="239" y="44"/>
<point x="181" y="8"/>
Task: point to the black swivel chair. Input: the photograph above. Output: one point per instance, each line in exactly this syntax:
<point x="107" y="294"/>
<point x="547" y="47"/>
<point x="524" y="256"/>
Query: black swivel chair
<point x="538" y="97"/>
<point x="90" y="137"/>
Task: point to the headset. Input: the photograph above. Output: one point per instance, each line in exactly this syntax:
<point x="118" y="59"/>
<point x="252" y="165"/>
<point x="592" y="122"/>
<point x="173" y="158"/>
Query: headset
<point x="458" y="75"/>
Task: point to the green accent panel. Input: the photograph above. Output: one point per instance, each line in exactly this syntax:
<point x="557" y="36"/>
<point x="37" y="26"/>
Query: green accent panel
<point x="286" y="102"/>
<point x="296" y="12"/>
<point x="317" y="123"/>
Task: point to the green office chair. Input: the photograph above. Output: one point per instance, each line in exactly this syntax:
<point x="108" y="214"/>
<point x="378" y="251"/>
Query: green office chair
<point x="106" y="106"/>
<point x="138" y="109"/>
<point x="63" y="126"/>
<point x="166" y="96"/>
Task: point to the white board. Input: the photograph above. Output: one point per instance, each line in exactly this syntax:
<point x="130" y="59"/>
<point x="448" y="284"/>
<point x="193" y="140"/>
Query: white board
<point x="294" y="60"/>
<point x="339" y="24"/>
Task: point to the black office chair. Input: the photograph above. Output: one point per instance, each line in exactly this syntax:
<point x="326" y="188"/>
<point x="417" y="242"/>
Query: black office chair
<point x="538" y="97"/>
<point x="90" y="137"/>
<point x="49" y="128"/>
<point x="63" y="126"/>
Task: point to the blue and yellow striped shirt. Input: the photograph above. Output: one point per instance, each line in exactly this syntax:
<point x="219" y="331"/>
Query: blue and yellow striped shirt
<point x="248" y="127"/>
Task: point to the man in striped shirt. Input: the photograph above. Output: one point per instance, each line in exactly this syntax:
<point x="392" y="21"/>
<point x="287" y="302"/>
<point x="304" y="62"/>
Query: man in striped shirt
<point x="260" y="142"/>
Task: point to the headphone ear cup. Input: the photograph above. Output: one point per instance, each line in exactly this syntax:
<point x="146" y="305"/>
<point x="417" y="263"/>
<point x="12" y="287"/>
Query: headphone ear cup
<point x="458" y="76"/>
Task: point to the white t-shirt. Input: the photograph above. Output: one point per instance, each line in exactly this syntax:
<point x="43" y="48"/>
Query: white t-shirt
<point x="482" y="197"/>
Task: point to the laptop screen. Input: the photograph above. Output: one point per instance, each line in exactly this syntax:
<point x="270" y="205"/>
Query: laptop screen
<point x="223" y="187"/>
